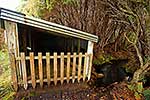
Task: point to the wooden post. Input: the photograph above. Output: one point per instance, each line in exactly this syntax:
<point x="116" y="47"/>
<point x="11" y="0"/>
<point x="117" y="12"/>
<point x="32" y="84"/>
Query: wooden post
<point x="72" y="45"/>
<point x="13" y="71"/>
<point x="32" y="69"/>
<point x="62" y="68"/>
<point x="90" y="66"/>
<point x="12" y="43"/>
<point x="48" y="68"/>
<point x="85" y="65"/>
<point x="68" y="67"/>
<point x="74" y="67"/>
<point x="40" y="68"/>
<point x="79" y="66"/>
<point x="89" y="51"/>
<point x="55" y="68"/>
<point x="78" y="50"/>
<point x="23" y="63"/>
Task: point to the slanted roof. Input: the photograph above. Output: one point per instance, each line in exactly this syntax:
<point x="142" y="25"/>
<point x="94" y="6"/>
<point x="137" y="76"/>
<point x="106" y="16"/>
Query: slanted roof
<point x="42" y="24"/>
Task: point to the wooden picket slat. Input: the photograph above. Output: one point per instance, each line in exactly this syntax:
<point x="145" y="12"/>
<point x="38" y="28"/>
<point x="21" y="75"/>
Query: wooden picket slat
<point x="24" y="72"/>
<point x="68" y="67"/>
<point x="77" y="70"/>
<point x="55" y="68"/>
<point x="32" y="69"/>
<point x="74" y="67"/>
<point x="62" y="68"/>
<point x="13" y="71"/>
<point x="85" y="65"/>
<point x="40" y="68"/>
<point x="90" y="66"/>
<point x="48" y="68"/>
<point x="79" y="66"/>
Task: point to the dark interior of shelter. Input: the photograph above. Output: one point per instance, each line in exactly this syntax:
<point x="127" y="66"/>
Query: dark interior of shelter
<point x="36" y="40"/>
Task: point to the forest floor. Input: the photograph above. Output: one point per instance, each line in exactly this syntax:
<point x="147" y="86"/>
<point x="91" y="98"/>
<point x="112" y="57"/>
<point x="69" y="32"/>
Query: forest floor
<point x="115" y="91"/>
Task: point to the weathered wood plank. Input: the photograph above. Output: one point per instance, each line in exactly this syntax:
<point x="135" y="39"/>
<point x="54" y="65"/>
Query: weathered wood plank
<point x="45" y="80"/>
<point x="90" y="66"/>
<point x="13" y="72"/>
<point x="12" y="42"/>
<point x="62" y="68"/>
<point x="32" y="69"/>
<point x="79" y="66"/>
<point x="68" y="67"/>
<point x="40" y="69"/>
<point x="89" y="51"/>
<point x="23" y="63"/>
<point x="48" y="68"/>
<point x="74" y="67"/>
<point x="55" y="68"/>
<point x="85" y="65"/>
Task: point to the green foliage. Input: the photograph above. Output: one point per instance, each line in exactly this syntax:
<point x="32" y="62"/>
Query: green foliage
<point x="32" y="7"/>
<point x="50" y="4"/>
<point x="36" y="8"/>
<point x="137" y="88"/>
<point x="6" y="90"/>
<point x="68" y="1"/>
<point x="146" y="94"/>
<point x="102" y="59"/>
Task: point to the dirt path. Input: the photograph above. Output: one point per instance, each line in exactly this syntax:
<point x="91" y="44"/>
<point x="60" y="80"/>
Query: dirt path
<point x="78" y="92"/>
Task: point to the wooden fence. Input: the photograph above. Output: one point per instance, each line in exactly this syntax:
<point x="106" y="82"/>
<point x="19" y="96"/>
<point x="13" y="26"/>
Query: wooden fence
<point x="50" y="69"/>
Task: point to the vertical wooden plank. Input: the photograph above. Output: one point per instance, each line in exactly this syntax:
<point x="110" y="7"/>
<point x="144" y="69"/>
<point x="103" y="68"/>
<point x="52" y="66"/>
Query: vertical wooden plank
<point x="24" y="72"/>
<point x="40" y="69"/>
<point x="32" y="69"/>
<point x="62" y="68"/>
<point x="74" y="67"/>
<point x="90" y="66"/>
<point x="2" y="37"/>
<point x="68" y="67"/>
<point x="55" y="68"/>
<point x="13" y="71"/>
<point x="89" y="51"/>
<point x="72" y="45"/>
<point x="79" y="66"/>
<point x="15" y="30"/>
<point x="12" y="42"/>
<point x="85" y="65"/>
<point x="48" y="68"/>
<point x="78" y="50"/>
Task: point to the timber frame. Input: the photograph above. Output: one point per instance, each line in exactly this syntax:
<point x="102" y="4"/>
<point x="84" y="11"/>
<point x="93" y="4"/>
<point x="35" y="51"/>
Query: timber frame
<point x="68" y="62"/>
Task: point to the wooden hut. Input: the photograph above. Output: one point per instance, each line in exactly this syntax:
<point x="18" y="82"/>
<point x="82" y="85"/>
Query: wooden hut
<point x="44" y="52"/>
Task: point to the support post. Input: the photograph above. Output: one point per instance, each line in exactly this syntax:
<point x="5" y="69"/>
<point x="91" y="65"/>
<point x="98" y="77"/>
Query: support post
<point x="13" y="49"/>
<point x="89" y="52"/>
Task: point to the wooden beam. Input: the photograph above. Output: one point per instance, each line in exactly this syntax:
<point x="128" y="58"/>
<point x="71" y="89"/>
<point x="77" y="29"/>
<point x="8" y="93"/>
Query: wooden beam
<point x="32" y="69"/>
<point x="85" y="65"/>
<point x="74" y="68"/>
<point x="78" y="49"/>
<point x="23" y="64"/>
<point x="79" y="67"/>
<point x="55" y="68"/>
<point x="89" y="52"/>
<point x="68" y="67"/>
<point x="40" y="68"/>
<point x="13" y="72"/>
<point x="62" y="68"/>
<point x="48" y="68"/>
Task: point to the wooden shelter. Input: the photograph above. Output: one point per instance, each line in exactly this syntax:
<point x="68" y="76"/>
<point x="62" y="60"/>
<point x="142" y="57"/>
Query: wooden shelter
<point x="44" y="52"/>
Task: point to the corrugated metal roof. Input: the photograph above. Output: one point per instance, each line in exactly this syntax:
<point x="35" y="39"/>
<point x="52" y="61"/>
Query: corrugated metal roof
<point x="39" y="23"/>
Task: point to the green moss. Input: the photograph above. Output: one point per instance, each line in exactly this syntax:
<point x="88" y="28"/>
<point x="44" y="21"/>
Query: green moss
<point x="102" y="59"/>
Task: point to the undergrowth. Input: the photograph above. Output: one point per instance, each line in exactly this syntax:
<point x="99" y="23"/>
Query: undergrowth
<point x="6" y="89"/>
